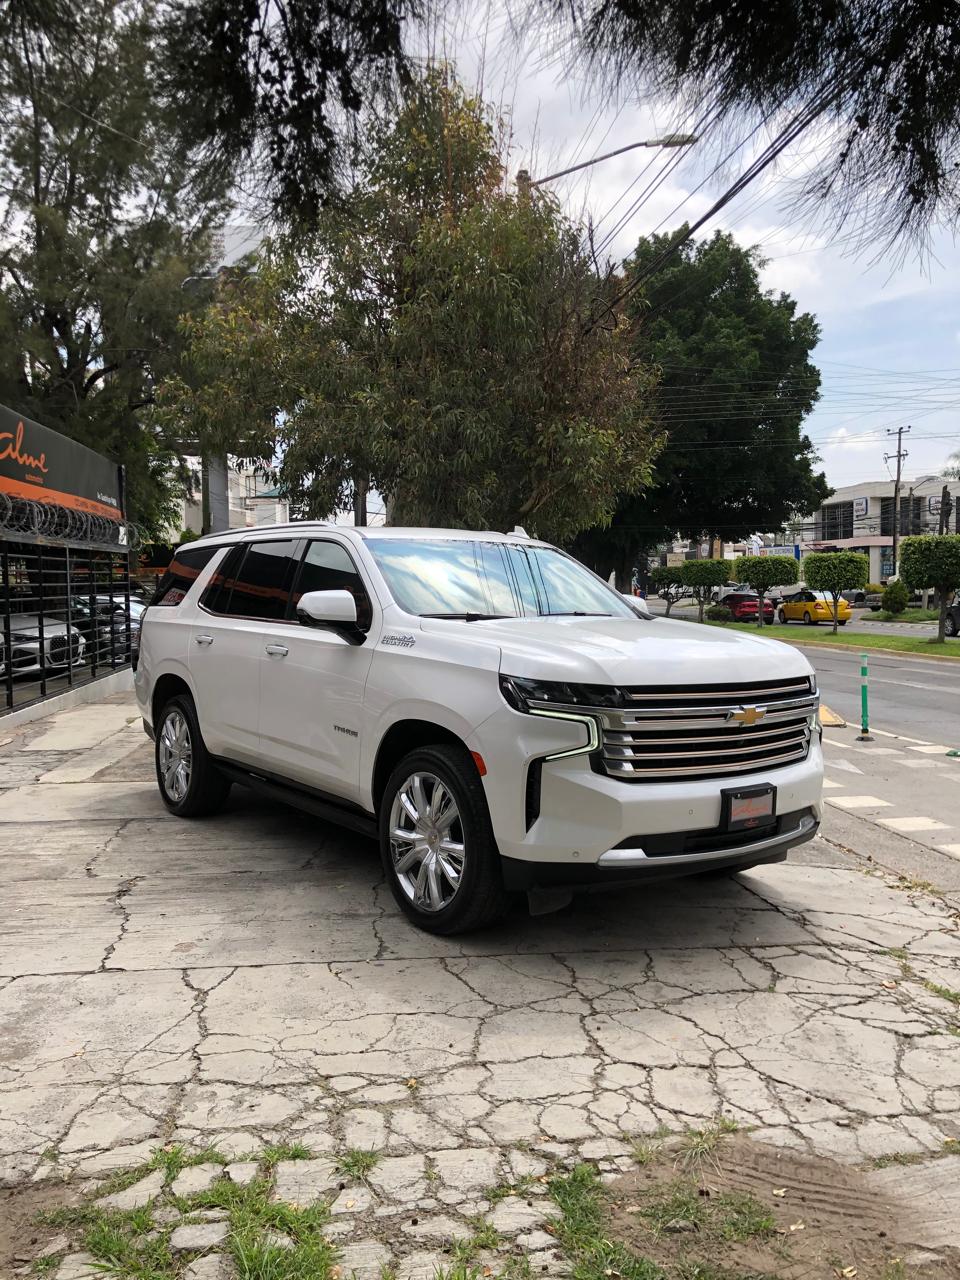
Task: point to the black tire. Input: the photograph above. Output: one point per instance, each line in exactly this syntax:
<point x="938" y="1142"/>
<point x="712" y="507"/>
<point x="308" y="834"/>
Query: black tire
<point x="842" y="622"/>
<point x="206" y="788"/>
<point x="950" y="625"/>
<point x="479" y="898"/>
<point x="807" y="618"/>
<point x="782" y="618"/>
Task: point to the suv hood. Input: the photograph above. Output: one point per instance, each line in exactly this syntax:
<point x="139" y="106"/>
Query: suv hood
<point x="627" y="650"/>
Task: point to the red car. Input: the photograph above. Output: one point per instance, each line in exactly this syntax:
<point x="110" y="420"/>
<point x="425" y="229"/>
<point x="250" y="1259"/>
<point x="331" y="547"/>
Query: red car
<point x="743" y="606"/>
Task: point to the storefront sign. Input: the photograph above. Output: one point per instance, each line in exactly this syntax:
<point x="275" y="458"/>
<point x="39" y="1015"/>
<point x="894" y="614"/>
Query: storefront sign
<point x="860" y="508"/>
<point x="41" y="464"/>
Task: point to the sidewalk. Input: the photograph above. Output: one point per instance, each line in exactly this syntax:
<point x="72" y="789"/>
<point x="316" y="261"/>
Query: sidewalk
<point x="244" y="985"/>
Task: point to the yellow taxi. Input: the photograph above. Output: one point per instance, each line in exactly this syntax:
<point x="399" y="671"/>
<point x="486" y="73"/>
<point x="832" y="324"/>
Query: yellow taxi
<point x="812" y="607"/>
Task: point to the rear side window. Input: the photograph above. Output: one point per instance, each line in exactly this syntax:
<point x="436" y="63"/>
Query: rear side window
<point x="181" y="573"/>
<point x="327" y="567"/>
<point x="260" y="586"/>
<point x="216" y="598"/>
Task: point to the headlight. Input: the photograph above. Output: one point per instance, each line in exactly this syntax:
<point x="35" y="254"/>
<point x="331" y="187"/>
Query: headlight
<point x="521" y="691"/>
<point x="21" y="637"/>
<point x="813" y="684"/>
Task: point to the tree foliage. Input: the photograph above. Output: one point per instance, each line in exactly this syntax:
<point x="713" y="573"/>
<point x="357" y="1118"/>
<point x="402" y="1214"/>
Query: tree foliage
<point x="764" y="572"/>
<point x="884" y="75"/>
<point x="836" y="572"/>
<point x="703" y="577"/>
<point x="735" y="384"/>
<point x="932" y="561"/>
<point x="666" y="578"/>
<point x="103" y="213"/>
<point x="443" y="359"/>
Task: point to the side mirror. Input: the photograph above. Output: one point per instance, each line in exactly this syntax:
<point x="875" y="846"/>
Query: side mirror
<point x="332" y="610"/>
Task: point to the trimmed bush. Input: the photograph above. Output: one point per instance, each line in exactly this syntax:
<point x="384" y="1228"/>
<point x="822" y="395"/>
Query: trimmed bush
<point x="719" y="613"/>
<point x="896" y="597"/>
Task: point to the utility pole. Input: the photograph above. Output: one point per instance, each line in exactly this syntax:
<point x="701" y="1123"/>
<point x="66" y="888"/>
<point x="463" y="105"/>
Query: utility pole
<point x="899" y="455"/>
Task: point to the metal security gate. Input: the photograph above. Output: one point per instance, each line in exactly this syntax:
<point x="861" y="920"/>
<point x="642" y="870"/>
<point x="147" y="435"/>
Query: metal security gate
<point x="69" y="611"/>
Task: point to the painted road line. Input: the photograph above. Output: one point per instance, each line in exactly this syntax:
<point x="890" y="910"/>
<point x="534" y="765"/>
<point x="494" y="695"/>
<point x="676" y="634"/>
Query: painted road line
<point x="859" y="802"/>
<point x="921" y="764"/>
<point x="885" y="733"/>
<point x="829" y="782"/>
<point x="845" y="765"/>
<point x="952" y="849"/>
<point x="931" y="750"/>
<point x="905" y="825"/>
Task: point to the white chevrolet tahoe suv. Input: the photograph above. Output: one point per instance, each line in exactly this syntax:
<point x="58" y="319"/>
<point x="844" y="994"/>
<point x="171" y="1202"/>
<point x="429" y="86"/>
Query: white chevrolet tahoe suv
<point x="490" y="710"/>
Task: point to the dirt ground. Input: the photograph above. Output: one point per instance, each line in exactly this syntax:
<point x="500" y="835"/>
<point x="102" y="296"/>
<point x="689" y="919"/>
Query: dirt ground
<point x="21" y="1238"/>
<point x="828" y="1221"/>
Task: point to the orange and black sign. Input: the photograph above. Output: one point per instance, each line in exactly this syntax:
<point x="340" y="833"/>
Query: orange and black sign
<point x="38" y="463"/>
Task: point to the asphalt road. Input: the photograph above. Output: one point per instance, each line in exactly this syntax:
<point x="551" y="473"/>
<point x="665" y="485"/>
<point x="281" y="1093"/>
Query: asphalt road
<point x="906" y="695"/>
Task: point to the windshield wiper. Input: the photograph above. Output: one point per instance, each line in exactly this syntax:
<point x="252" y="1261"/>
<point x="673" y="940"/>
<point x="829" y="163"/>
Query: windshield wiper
<point x="576" y="613"/>
<point x="467" y="617"/>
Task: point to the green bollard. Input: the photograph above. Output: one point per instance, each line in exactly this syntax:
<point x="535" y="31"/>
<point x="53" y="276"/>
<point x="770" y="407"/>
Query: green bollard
<point x="864" y="734"/>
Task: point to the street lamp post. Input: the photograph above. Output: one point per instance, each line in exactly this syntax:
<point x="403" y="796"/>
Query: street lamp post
<point x="526" y="184"/>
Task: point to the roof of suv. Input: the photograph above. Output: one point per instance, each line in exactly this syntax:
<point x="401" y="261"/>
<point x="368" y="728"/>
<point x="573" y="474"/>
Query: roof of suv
<point x="366" y="532"/>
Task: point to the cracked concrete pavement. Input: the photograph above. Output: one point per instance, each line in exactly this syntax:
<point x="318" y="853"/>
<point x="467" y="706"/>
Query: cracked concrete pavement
<point x="247" y="979"/>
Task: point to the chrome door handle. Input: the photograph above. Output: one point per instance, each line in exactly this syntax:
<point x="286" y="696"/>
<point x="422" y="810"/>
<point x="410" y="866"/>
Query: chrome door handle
<point x="203" y="639"/>
<point x="277" y="650"/>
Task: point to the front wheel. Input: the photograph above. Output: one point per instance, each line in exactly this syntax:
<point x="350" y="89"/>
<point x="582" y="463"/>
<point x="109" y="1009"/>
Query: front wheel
<point x="437" y="844"/>
<point x="950" y="625"/>
<point x="782" y="618"/>
<point x="190" y="783"/>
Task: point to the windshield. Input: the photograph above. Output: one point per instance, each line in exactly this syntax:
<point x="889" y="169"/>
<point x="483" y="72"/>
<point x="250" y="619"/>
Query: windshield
<point x="443" y="577"/>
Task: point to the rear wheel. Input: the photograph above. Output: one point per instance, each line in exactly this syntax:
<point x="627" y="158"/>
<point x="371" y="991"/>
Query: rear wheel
<point x="842" y="622"/>
<point x="950" y="625"/>
<point x="807" y="618"/>
<point x="437" y="844"/>
<point x="190" y="783"/>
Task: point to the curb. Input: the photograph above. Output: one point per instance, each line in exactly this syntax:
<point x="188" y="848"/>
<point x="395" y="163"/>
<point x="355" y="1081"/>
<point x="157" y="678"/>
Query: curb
<point x="870" y="648"/>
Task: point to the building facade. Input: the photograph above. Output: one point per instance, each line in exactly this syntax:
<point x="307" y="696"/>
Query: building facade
<point x="860" y="517"/>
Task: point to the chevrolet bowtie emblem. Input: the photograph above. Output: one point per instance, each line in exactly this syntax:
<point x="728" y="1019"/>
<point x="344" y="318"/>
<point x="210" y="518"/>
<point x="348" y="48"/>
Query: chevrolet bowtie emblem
<point x="747" y="715"/>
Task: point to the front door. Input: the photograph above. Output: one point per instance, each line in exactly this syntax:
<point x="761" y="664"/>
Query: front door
<point x="312" y="683"/>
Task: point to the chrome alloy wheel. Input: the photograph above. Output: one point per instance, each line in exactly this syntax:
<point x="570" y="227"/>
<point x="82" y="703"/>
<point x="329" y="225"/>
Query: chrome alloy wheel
<point x="426" y="842"/>
<point x="176" y="755"/>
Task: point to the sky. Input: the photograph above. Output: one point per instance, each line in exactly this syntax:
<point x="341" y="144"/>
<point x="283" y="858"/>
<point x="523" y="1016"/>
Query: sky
<point x="889" y="354"/>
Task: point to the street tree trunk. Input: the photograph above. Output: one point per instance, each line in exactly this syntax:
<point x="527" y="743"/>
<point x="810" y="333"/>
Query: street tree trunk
<point x="836" y="611"/>
<point x="942" y="620"/>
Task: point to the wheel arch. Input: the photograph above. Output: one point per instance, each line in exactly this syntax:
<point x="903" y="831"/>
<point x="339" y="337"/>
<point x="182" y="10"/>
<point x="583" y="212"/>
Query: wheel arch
<point x="166" y="687"/>
<point x="400" y="739"/>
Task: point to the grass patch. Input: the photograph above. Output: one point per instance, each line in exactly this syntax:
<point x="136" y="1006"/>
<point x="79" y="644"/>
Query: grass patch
<point x="44" y="1266"/>
<point x="582" y="1235"/>
<point x="897" y="953"/>
<point x="945" y="993"/>
<point x="908" y="615"/>
<point x="505" y="1189"/>
<point x="357" y="1164"/>
<point x="271" y="1156"/>
<point x="700" y="1145"/>
<point x="484" y="1237"/>
<point x="799" y="634"/>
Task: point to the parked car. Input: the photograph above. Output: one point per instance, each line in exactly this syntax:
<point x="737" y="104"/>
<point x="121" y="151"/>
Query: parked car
<point x="63" y="646"/>
<point x="952" y="622"/>
<point x="496" y="715"/>
<point x="812" y="607"/>
<point x="856" y="599"/>
<point x="744" y="605"/>
<point x="102" y="622"/>
<point x="720" y="593"/>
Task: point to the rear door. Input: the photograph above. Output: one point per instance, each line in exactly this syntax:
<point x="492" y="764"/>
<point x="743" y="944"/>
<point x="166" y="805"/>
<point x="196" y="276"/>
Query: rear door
<point x="312" y="681"/>
<point x="247" y="596"/>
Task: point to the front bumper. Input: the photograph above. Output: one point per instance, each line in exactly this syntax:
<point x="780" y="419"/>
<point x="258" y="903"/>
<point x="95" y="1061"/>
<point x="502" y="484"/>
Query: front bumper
<point x="635" y="865"/>
<point x="569" y="823"/>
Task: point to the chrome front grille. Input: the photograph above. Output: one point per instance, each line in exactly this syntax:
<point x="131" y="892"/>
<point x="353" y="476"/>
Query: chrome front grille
<point x="686" y="732"/>
<point x="61" y="650"/>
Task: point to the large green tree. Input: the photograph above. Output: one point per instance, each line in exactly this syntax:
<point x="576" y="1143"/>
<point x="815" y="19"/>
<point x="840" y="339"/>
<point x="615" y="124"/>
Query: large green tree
<point x="430" y="343"/>
<point x="735" y="384"/>
<point x="878" y="80"/>
<point x="104" y="212"/>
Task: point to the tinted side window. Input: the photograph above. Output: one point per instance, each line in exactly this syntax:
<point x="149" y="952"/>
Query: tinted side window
<point x="261" y="587"/>
<point x="216" y="598"/>
<point x="181" y="573"/>
<point x="328" y="567"/>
